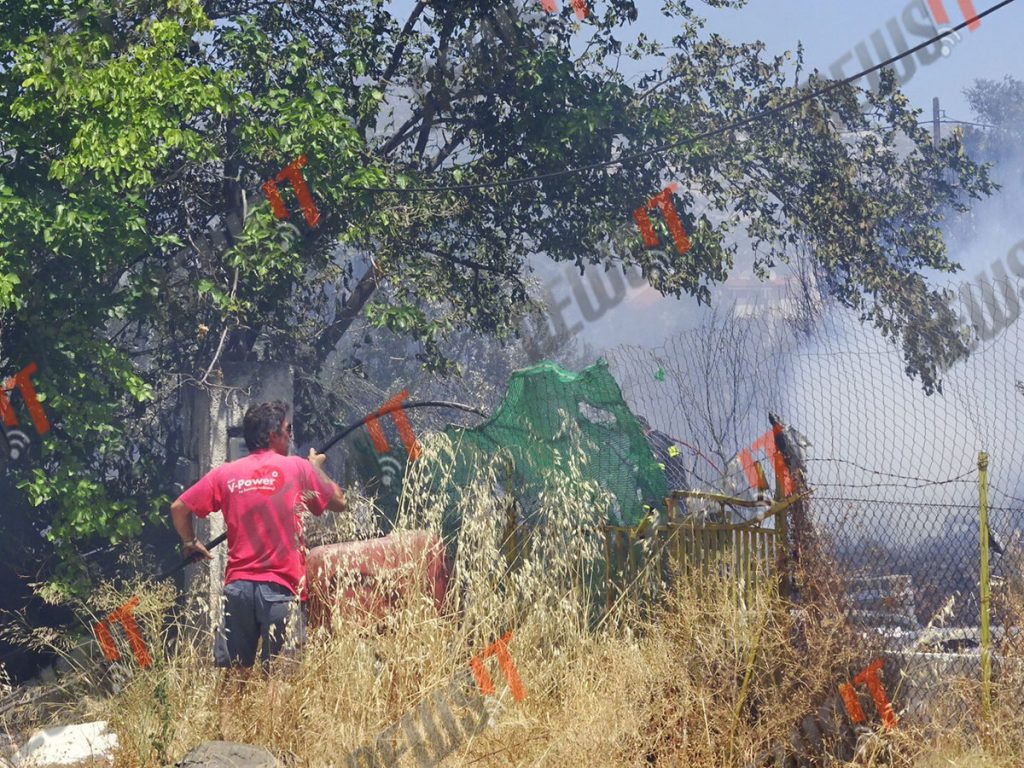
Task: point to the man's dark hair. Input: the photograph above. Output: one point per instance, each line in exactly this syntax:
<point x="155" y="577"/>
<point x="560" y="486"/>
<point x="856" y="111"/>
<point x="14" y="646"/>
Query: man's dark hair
<point x="261" y="420"/>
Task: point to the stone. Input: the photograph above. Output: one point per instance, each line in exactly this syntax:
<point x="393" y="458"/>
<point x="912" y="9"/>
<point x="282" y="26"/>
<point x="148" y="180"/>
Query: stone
<point x="228" y="754"/>
<point x="67" y="745"/>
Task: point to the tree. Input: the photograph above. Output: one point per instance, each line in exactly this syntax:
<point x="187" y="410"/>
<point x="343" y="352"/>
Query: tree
<point x="127" y="128"/>
<point x="995" y="138"/>
<point x="999" y="106"/>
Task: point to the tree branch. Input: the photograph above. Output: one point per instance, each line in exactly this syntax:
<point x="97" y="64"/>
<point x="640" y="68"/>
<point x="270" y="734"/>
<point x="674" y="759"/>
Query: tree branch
<point x="332" y="334"/>
<point x="402" y="133"/>
<point x="451" y="146"/>
<point x="468" y="263"/>
<point x="426" y="127"/>
<point x="396" y="55"/>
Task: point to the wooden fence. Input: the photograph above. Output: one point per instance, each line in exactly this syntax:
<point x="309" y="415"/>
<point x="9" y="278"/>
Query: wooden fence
<point x="745" y="553"/>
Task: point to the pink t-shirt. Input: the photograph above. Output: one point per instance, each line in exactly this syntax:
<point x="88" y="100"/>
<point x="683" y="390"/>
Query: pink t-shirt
<point x="263" y="496"/>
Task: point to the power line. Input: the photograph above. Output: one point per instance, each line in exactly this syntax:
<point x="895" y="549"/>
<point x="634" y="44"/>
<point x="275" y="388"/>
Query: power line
<point x="637" y="156"/>
<point x="957" y="122"/>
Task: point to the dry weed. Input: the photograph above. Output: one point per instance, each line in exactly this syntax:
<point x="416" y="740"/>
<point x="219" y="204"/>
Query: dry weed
<point x="711" y="676"/>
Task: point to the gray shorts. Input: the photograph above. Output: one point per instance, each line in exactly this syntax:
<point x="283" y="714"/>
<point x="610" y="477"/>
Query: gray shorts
<point x="254" y="611"/>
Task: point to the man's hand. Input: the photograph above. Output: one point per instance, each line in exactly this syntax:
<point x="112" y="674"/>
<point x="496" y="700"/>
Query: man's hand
<point x="317" y="459"/>
<point x="194" y="547"/>
<point x="181" y="516"/>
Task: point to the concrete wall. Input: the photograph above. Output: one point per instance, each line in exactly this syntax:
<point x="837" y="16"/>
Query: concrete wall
<point x="213" y="436"/>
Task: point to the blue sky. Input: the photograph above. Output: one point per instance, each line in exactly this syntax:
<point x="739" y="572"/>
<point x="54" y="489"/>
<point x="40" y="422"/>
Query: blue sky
<point x="846" y="364"/>
<point x="830" y="28"/>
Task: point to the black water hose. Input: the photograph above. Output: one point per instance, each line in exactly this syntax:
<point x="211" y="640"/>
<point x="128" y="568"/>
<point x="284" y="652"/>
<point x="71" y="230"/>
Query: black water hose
<point x="326" y="447"/>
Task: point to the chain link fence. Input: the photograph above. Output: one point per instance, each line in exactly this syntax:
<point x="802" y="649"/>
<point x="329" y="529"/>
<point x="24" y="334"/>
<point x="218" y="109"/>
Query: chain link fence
<point x="893" y="471"/>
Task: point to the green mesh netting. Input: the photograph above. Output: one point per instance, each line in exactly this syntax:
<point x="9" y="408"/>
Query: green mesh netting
<point x="381" y="474"/>
<point x="533" y="423"/>
<point x="546" y="411"/>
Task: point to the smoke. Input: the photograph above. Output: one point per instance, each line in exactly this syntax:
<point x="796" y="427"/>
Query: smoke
<point x="888" y="461"/>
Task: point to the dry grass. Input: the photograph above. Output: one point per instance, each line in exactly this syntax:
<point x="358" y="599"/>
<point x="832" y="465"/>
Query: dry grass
<point x="709" y="679"/>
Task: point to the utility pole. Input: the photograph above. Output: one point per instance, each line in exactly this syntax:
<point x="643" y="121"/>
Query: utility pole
<point x="936" y="134"/>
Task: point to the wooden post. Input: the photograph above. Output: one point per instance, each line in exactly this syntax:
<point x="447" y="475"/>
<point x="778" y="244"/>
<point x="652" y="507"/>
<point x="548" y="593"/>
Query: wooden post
<point x="608" y="567"/>
<point x="782" y="555"/>
<point x="509" y="542"/>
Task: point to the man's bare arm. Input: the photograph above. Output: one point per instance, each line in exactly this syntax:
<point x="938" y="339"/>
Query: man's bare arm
<point x="337" y="500"/>
<point x="181" y="516"/>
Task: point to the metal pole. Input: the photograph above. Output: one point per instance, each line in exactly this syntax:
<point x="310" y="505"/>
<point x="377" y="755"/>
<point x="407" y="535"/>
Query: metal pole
<point x="986" y="668"/>
<point x="936" y="129"/>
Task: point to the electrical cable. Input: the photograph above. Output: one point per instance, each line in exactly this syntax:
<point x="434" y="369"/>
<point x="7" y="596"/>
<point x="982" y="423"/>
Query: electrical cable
<point x="399" y="407"/>
<point x="637" y="156"/>
<point x="950" y="121"/>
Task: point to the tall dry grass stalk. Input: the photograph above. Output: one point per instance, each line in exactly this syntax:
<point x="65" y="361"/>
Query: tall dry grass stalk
<point x="708" y="674"/>
<point x="353" y="683"/>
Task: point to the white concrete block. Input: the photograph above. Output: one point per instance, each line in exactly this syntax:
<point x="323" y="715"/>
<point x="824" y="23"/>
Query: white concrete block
<point x="66" y="745"/>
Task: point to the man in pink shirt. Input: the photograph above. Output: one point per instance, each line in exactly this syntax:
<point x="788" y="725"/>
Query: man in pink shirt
<point x="262" y="497"/>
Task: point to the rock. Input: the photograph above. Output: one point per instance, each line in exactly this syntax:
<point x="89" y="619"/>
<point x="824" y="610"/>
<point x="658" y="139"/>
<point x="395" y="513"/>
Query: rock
<point x="66" y="745"/>
<point x="228" y="754"/>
